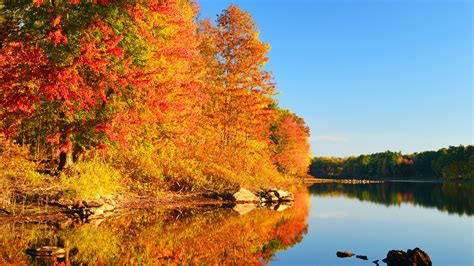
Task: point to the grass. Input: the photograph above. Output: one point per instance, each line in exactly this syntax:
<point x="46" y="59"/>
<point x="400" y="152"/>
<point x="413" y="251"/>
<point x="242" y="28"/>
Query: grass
<point x="91" y="179"/>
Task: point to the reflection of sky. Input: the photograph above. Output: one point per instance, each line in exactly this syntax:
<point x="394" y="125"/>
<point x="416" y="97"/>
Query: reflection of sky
<point x="372" y="229"/>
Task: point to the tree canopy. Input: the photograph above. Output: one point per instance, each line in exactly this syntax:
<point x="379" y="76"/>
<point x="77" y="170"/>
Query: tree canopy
<point x="149" y="87"/>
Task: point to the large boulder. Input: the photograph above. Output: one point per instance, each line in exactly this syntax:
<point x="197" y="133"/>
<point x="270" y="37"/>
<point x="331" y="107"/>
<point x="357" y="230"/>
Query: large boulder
<point x="416" y="257"/>
<point x="244" y="195"/>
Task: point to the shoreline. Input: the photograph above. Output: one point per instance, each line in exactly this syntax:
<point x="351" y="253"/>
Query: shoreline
<point x="382" y="180"/>
<point x="58" y="210"/>
<point x="90" y="210"/>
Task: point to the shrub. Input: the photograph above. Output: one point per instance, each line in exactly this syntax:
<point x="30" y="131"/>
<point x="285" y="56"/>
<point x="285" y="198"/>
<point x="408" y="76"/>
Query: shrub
<point x="90" y="179"/>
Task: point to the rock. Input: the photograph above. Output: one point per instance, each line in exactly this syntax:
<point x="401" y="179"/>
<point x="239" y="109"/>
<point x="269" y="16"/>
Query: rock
<point x="344" y="254"/>
<point x="416" y="257"/>
<point x="47" y="251"/>
<point x="97" y="211"/>
<point x="102" y="209"/>
<point x="285" y="195"/>
<point x="244" y="208"/>
<point x="94" y="203"/>
<point x="273" y="196"/>
<point x="362" y="257"/>
<point x="244" y="195"/>
<point x="65" y="202"/>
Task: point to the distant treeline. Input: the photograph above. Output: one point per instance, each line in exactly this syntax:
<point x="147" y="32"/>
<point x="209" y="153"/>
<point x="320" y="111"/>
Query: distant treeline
<point x="452" y="162"/>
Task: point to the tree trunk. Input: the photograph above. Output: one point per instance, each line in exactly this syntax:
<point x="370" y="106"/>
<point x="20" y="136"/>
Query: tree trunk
<point x="65" y="160"/>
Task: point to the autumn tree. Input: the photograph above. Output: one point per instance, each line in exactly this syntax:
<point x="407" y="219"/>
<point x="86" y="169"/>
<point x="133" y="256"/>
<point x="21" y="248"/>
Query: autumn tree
<point x="290" y="136"/>
<point x="78" y="74"/>
<point x="62" y="64"/>
<point x="240" y="88"/>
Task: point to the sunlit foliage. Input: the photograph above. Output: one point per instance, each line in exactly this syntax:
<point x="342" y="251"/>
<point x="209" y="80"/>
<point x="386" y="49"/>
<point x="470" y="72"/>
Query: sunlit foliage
<point x="168" y="101"/>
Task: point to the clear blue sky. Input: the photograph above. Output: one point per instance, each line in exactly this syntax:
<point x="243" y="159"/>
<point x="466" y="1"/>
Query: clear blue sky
<point x="370" y="75"/>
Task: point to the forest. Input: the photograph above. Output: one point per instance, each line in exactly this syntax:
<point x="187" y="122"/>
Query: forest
<point x="105" y="96"/>
<point x="452" y="162"/>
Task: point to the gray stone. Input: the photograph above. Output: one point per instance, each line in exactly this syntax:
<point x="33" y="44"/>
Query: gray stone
<point x="244" y="195"/>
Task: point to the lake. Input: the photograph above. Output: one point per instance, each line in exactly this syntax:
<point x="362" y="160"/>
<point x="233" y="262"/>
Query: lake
<point x="371" y="219"/>
<point x="366" y="219"/>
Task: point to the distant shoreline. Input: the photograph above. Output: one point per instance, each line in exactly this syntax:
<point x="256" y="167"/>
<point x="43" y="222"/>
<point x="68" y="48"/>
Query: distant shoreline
<point x="316" y="180"/>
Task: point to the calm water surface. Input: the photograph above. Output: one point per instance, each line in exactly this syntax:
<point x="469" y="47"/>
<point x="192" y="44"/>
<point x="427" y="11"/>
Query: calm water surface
<point x="375" y="218"/>
<point x="364" y="219"/>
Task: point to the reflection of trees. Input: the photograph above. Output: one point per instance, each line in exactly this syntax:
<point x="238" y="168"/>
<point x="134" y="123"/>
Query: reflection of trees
<point x="450" y="197"/>
<point x="186" y="236"/>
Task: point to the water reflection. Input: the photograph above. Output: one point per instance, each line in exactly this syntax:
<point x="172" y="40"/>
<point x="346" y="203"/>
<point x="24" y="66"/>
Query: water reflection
<point x="449" y="196"/>
<point x="196" y="235"/>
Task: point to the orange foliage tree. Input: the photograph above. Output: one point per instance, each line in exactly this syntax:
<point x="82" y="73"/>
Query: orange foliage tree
<point x="240" y="88"/>
<point x="290" y="135"/>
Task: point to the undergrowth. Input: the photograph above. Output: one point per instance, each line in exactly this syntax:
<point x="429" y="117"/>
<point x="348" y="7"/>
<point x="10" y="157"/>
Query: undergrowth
<point x="91" y="179"/>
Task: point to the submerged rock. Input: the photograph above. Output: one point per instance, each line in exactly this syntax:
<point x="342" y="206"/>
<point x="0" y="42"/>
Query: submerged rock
<point x="344" y="254"/>
<point x="244" y="195"/>
<point x="416" y="257"/>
